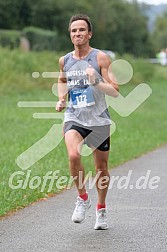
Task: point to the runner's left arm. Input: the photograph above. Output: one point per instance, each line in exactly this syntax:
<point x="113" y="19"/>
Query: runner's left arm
<point x="109" y="84"/>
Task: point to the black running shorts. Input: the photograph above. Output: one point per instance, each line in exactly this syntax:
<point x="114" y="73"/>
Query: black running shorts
<point x="94" y="136"/>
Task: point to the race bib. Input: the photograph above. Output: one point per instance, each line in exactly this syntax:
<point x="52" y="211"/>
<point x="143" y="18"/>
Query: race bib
<point x="82" y="97"/>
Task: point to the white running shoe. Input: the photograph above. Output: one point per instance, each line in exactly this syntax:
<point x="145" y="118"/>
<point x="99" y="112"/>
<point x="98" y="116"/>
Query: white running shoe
<point x="101" y="219"/>
<point x="80" y="210"/>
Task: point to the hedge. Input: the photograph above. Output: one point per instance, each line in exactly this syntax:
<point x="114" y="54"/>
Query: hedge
<point x="41" y="39"/>
<point x="10" y="38"/>
<point x="38" y="38"/>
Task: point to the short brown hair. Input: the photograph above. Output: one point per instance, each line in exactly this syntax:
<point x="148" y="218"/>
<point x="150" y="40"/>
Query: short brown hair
<point x="81" y="16"/>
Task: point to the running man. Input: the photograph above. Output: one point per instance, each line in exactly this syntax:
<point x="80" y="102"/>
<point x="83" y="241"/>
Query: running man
<point x="84" y="81"/>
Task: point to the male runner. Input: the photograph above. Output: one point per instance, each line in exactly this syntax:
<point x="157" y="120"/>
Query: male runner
<point x="84" y="78"/>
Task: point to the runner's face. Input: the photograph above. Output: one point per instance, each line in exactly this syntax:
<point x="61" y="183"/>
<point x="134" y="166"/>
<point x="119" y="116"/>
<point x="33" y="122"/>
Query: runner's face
<point x="79" y="32"/>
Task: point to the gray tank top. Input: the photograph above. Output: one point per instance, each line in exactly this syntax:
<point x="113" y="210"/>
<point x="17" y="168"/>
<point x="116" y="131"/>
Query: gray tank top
<point x="86" y="104"/>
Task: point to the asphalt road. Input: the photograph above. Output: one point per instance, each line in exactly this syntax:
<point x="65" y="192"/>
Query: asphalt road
<point x="137" y="217"/>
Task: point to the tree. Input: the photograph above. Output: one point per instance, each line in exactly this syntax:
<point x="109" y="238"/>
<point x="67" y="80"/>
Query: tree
<point x="117" y="24"/>
<point x="159" y="35"/>
<point x="15" y="14"/>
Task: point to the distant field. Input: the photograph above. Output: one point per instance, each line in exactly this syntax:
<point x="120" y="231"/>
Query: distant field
<point x="142" y="131"/>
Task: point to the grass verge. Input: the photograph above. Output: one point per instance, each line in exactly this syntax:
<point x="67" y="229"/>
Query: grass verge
<point x="144" y="130"/>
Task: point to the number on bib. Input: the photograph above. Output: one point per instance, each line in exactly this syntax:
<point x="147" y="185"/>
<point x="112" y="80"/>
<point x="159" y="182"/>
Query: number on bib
<point x="82" y="97"/>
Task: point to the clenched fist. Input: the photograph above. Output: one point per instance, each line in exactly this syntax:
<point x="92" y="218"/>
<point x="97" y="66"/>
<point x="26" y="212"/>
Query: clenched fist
<point x="60" y="105"/>
<point x="91" y="74"/>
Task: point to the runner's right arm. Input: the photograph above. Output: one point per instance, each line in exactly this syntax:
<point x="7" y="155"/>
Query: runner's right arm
<point x="62" y="87"/>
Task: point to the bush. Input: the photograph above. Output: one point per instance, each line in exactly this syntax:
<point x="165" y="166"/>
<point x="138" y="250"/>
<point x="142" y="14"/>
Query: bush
<point x="10" y="38"/>
<point x="41" y="39"/>
<point x="35" y="38"/>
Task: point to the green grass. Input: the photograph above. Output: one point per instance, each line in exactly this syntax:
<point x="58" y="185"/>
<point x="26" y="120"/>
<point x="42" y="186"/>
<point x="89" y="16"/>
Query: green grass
<point x="142" y="131"/>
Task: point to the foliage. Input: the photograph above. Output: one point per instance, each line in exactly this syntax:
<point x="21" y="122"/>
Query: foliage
<point x="9" y="38"/>
<point x="15" y="14"/>
<point x="115" y="27"/>
<point x="159" y="36"/>
<point x="113" y="21"/>
<point x="41" y="39"/>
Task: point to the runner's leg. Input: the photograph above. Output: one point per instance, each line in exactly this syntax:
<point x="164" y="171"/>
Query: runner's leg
<point x="101" y="165"/>
<point x="72" y="141"/>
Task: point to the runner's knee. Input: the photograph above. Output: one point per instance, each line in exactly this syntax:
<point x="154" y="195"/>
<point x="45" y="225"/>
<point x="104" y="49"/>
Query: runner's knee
<point x="102" y="167"/>
<point x="74" y="158"/>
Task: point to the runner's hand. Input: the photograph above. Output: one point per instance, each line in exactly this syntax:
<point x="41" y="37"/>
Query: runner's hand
<point x="60" y="105"/>
<point x="91" y="74"/>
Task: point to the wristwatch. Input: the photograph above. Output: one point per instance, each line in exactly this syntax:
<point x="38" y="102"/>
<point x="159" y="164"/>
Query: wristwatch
<point x="96" y="82"/>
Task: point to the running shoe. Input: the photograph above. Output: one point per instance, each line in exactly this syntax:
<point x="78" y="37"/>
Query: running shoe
<point x="80" y="210"/>
<point x="101" y="219"/>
